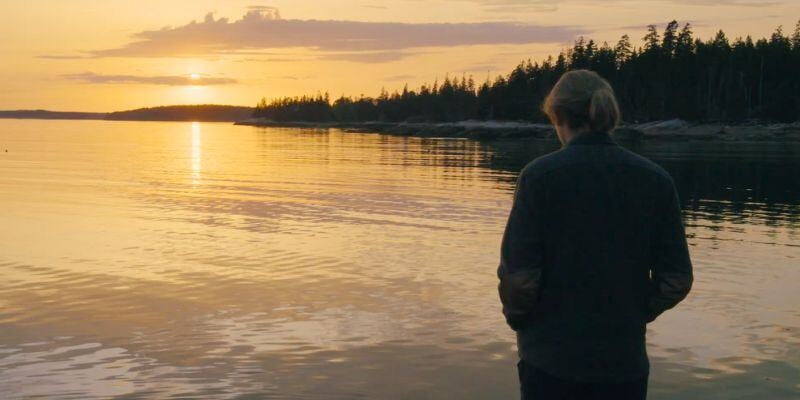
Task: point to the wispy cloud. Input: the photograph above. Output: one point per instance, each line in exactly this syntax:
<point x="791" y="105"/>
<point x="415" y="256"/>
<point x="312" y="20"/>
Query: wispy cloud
<point x="396" y="78"/>
<point x="552" y="5"/>
<point x="61" y="57"/>
<point x="369" y="57"/>
<point x="290" y="77"/>
<point x="516" y="5"/>
<point x="263" y="28"/>
<point x="272" y="59"/>
<point x="485" y="68"/>
<point x="170" y="80"/>
<point x="739" y="3"/>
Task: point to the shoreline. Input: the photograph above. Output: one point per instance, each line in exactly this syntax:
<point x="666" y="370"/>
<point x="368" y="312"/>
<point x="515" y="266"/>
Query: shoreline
<point x="669" y="130"/>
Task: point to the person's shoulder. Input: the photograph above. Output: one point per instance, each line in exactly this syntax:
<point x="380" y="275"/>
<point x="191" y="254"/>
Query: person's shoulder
<point x="543" y="164"/>
<point x="644" y="163"/>
<point x="565" y="157"/>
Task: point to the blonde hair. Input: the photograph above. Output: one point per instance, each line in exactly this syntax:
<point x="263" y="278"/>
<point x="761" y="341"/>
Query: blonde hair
<point x="583" y="98"/>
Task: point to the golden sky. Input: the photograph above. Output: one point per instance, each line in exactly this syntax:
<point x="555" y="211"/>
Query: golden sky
<point x="87" y="55"/>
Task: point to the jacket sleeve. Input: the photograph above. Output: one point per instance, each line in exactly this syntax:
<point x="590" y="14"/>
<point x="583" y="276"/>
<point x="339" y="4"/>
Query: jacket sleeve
<point x="521" y="256"/>
<point x="671" y="269"/>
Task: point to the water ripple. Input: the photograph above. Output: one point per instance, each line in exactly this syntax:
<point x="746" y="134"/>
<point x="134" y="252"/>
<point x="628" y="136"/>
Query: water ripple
<point x="173" y="260"/>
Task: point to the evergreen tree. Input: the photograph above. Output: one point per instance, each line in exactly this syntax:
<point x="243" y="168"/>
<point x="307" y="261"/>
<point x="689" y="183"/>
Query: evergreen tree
<point x="622" y="51"/>
<point x="651" y="39"/>
<point x="672" y="76"/>
<point x="796" y="36"/>
<point x="670" y="41"/>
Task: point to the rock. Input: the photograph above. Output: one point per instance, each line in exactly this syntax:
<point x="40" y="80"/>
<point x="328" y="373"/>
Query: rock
<point x="627" y="133"/>
<point x="446" y="130"/>
<point x="482" y="134"/>
<point x="668" y="125"/>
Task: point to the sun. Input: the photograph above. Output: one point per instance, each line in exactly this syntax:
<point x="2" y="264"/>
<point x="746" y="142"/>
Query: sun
<point x="194" y="76"/>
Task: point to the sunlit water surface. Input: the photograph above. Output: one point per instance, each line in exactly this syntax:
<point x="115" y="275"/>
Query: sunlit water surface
<point x="154" y="260"/>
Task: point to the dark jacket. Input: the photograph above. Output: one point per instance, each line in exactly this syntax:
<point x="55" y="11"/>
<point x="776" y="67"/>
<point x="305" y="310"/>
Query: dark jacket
<point x="594" y="249"/>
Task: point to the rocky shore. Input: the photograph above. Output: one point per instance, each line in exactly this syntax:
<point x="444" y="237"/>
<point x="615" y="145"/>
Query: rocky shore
<point x="508" y="130"/>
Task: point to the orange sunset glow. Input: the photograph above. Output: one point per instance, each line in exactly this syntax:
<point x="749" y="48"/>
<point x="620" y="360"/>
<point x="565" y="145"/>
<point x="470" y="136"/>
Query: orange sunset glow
<point x="400" y="200"/>
<point x="236" y="52"/>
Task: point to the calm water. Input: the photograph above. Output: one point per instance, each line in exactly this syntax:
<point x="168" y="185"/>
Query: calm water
<point x="154" y="260"/>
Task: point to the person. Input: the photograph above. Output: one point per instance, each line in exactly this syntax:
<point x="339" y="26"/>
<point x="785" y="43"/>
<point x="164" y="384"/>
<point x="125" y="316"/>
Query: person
<point x="594" y="249"/>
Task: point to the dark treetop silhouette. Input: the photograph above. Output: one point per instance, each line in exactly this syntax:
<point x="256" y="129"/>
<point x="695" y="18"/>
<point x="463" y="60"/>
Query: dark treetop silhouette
<point x="671" y="75"/>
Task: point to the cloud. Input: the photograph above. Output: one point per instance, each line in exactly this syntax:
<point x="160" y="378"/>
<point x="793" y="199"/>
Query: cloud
<point x="552" y="5"/>
<point x="487" y="68"/>
<point x="271" y="59"/>
<point x="741" y="3"/>
<point x="170" y="80"/>
<point x="516" y="5"/>
<point x="369" y="57"/>
<point x="396" y="78"/>
<point x="291" y="77"/>
<point x="263" y="28"/>
<point x="61" y="57"/>
<point x="268" y="10"/>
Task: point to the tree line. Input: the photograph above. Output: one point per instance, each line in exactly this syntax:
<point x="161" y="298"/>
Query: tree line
<point x="670" y="75"/>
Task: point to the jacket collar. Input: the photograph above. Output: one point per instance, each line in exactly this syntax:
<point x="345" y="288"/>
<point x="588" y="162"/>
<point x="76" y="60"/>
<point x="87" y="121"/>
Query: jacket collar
<point x="595" y="137"/>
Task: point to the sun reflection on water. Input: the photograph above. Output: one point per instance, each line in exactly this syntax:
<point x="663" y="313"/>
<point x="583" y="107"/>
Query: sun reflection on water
<point x="175" y="259"/>
<point x="196" y="153"/>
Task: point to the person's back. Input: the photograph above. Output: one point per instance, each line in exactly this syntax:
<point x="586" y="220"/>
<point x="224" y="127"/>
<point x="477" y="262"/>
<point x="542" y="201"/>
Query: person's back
<point x="593" y="250"/>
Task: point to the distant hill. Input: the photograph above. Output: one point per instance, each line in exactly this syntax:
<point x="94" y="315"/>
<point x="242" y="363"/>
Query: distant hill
<point x="201" y="112"/>
<point x="44" y="114"/>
